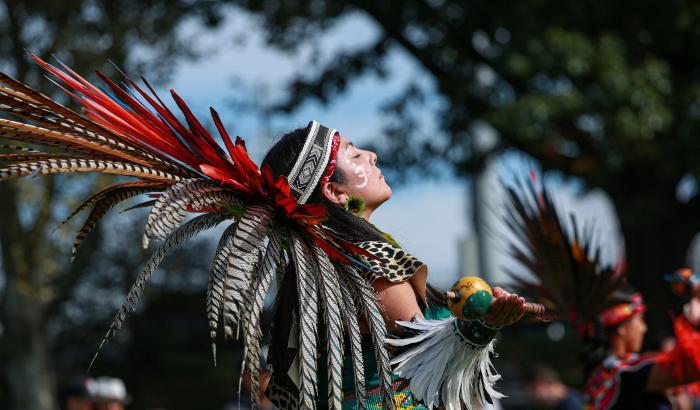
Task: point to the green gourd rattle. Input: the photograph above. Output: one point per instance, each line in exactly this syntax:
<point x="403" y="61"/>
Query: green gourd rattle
<point x="470" y="298"/>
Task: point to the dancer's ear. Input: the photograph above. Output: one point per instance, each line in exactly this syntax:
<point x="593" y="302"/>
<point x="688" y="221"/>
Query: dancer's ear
<point x="335" y="193"/>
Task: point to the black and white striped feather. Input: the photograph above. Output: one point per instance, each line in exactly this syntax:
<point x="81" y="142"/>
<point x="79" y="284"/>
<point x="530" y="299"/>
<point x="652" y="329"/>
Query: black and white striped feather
<point x="215" y="286"/>
<point x="352" y="327"/>
<point x="180" y="235"/>
<point x="369" y="308"/>
<point x="63" y="165"/>
<point x="170" y="206"/>
<point x="330" y="292"/>
<point x="244" y="257"/>
<point x="307" y="289"/>
<point x="255" y="300"/>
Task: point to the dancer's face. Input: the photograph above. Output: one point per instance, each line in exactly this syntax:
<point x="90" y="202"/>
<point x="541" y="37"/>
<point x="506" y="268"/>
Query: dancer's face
<point x="362" y="178"/>
<point x="632" y="332"/>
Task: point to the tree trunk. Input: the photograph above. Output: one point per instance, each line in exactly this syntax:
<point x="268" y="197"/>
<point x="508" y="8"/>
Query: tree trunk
<point x="27" y="367"/>
<point x="24" y="347"/>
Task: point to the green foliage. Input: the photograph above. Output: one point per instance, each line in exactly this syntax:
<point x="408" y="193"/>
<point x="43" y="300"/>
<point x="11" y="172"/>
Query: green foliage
<point x="605" y="91"/>
<point x="583" y="77"/>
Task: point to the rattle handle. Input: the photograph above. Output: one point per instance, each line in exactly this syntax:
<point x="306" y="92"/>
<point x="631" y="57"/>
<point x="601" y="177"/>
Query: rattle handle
<point x="534" y="309"/>
<point x="531" y="308"/>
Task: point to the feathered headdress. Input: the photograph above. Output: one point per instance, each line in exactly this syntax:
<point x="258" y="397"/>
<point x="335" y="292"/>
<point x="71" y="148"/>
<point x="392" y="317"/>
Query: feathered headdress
<point x="569" y="277"/>
<point x="185" y="171"/>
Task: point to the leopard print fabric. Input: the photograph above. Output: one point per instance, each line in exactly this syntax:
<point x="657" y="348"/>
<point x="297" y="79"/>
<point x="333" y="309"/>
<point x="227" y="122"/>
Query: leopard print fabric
<point x="281" y="397"/>
<point x="393" y="264"/>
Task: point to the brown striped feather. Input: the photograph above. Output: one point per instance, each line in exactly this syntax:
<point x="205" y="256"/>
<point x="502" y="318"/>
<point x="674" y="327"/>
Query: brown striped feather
<point x="17" y="148"/>
<point x="38" y="156"/>
<point x="146" y="204"/>
<point x="152" y="186"/>
<point x="71" y="122"/>
<point x="106" y="201"/>
<point x="19" y="129"/>
<point x="54" y="166"/>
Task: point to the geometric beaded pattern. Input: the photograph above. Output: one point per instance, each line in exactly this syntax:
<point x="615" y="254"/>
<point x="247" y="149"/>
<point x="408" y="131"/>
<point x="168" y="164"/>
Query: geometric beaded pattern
<point x="312" y="161"/>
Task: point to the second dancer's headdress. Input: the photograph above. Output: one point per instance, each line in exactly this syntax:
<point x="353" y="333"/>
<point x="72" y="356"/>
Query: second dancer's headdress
<point x="569" y="277"/>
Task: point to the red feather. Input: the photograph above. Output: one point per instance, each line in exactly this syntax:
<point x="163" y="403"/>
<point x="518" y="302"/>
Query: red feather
<point x="192" y="145"/>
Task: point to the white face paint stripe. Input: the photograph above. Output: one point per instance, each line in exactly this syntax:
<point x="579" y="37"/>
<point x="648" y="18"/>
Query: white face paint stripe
<point x="360" y="172"/>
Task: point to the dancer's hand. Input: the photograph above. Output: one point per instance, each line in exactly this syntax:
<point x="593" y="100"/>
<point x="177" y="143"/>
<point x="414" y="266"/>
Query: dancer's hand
<point x="505" y="309"/>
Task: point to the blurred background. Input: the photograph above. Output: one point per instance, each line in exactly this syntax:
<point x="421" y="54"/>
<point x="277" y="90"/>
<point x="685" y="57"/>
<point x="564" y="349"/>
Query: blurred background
<point x="602" y="98"/>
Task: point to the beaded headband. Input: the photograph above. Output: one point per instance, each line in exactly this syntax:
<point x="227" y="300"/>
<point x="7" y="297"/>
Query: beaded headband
<point x="619" y="313"/>
<point x="317" y="155"/>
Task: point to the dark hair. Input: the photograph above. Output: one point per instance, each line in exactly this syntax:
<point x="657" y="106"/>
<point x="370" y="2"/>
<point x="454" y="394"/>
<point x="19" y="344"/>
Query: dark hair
<point x="597" y="346"/>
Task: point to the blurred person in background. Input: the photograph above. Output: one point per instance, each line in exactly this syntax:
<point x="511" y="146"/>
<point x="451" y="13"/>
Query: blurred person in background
<point x="75" y="396"/>
<point x="618" y="376"/>
<point x="606" y="312"/>
<point x="548" y="391"/>
<point x="107" y="393"/>
<point x="685" y="397"/>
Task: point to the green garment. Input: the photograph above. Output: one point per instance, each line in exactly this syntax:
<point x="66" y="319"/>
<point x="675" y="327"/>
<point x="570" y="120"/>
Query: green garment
<point x="401" y="392"/>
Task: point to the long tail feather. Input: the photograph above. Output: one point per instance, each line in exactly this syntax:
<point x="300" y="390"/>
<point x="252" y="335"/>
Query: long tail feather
<point x="102" y="206"/>
<point x="243" y="260"/>
<point x="107" y="191"/>
<point x="94" y="145"/>
<point x="569" y="278"/>
<point x="42" y="141"/>
<point x="367" y="300"/>
<point x="255" y="299"/>
<point x="330" y="290"/>
<point x="182" y="234"/>
<point x="16" y="159"/>
<point x="169" y="209"/>
<point x="54" y="166"/>
<point x="308" y="319"/>
<point x="215" y="287"/>
<point x="350" y="315"/>
<point x="18" y="148"/>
